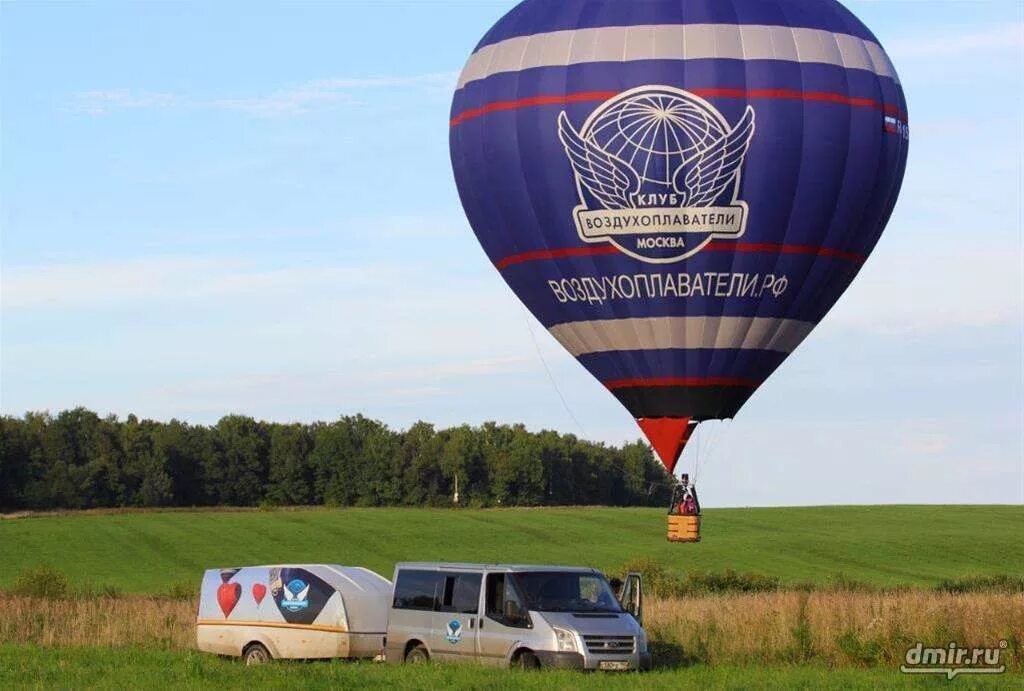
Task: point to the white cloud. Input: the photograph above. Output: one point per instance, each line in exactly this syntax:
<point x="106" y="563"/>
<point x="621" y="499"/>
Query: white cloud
<point x="933" y="287"/>
<point x="445" y="80"/>
<point x="293" y="100"/>
<point x="287" y="102"/>
<point x="461" y="368"/>
<point x="70" y="285"/>
<point x="923" y="438"/>
<point x="308" y="306"/>
<point x="955" y="40"/>
<point x="101" y="102"/>
<point x="103" y="285"/>
<point x="375" y="383"/>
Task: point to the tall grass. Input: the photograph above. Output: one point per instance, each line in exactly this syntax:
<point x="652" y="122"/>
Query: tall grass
<point x="977" y="584"/>
<point x="146" y="622"/>
<point x="840" y="628"/>
<point x="836" y="628"/>
<point x="41" y="581"/>
<point x="664" y="582"/>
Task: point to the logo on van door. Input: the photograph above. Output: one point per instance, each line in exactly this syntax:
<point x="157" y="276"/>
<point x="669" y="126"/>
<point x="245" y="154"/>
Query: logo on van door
<point x="454" y="631"/>
<point x="295" y="594"/>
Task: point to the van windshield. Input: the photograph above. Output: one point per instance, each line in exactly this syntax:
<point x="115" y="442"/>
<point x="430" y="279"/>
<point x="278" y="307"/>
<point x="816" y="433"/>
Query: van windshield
<point x="555" y="591"/>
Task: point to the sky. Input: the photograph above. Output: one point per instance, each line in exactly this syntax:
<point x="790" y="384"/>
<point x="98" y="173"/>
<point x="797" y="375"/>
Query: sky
<point x="248" y="208"/>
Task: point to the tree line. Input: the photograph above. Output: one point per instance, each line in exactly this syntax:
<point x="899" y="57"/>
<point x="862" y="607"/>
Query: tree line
<point x="77" y="459"/>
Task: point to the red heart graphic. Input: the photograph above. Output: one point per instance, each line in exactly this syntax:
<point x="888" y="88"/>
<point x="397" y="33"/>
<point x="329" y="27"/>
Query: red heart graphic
<point x="227" y="596"/>
<point x="258" y="591"/>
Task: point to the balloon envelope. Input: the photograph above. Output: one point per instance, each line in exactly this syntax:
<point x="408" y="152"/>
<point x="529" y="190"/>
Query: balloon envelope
<point x="679" y="190"/>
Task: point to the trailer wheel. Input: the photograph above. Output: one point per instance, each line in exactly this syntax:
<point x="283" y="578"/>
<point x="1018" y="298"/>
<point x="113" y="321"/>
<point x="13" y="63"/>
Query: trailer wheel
<point x="255" y="654"/>
<point x="417" y="654"/>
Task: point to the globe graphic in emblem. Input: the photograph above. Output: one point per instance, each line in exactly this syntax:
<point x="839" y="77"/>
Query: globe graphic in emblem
<point x="655" y="131"/>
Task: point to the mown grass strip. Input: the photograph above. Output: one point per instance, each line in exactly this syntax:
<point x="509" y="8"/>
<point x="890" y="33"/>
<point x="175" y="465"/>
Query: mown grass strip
<point x="890" y="546"/>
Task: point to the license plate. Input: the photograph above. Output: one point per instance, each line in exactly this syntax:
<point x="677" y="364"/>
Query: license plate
<point x="613" y="664"/>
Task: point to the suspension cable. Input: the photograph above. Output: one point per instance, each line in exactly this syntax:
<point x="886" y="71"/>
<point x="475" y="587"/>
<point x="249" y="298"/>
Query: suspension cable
<point x="544" y="362"/>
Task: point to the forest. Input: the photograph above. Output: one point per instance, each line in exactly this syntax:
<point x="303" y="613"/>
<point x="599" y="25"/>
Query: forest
<point x="77" y="460"/>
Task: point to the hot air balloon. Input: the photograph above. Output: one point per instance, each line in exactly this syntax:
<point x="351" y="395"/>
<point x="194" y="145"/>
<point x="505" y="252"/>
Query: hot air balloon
<point x="678" y="190"/>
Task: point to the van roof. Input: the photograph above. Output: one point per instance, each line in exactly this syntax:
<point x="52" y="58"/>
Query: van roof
<point x="430" y="565"/>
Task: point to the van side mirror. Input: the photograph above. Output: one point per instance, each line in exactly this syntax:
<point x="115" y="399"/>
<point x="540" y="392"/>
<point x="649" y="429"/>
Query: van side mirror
<point x="633" y="595"/>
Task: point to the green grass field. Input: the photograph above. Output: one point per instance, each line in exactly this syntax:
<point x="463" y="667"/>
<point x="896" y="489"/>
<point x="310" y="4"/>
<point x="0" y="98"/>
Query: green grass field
<point x="147" y="552"/>
<point x="30" y="666"/>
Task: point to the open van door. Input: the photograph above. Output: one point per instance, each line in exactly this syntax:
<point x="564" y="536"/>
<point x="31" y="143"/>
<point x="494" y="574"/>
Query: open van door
<point x="633" y="595"/>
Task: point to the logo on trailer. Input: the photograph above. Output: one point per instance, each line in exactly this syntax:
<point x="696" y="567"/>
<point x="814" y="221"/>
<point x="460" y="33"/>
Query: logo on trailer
<point x="454" y="631"/>
<point x="658" y="173"/>
<point x="296" y="593"/>
<point x="299" y="595"/>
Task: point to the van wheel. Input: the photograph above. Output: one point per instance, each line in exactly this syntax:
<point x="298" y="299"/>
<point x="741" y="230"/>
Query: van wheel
<point x="526" y="660"/>
<point x="417" y="654"/>
<point x="255" y="654"/>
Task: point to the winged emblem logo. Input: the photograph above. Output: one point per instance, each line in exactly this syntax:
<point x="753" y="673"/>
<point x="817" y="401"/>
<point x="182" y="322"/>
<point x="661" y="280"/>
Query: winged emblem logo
<point x="296" y="595"/>
<point x="658" y="173"/>
<point x="454" y="632"/>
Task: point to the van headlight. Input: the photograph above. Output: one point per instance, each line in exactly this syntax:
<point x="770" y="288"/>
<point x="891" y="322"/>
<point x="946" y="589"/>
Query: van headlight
<point x="566" y="641"/>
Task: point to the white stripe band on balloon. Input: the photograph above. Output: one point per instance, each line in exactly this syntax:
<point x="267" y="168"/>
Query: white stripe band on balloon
<point x="677" y="42"/>
<point x="651" y="333"/>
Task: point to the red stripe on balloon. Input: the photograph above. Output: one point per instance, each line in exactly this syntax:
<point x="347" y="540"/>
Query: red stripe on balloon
<point x="716" y="246"/>
<point x="681" y="381"/>
<point x="496" y="106"/>
<point x="749" y="94"/>
<point x="772" y="247"/>
<point x="555" y="254"/>
<point x="794" y="95"/>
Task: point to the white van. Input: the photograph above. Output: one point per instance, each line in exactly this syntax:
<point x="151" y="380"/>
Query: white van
<point x="293" y="611"/>
<point x="526" y="616"/>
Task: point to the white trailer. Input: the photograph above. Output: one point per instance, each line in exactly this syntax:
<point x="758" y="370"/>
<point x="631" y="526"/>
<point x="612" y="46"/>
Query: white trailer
<point x="293" y="611"/>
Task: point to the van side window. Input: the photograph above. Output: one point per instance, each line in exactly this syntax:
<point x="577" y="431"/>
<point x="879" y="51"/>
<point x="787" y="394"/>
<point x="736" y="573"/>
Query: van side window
<point x="417" y="590"/>
<point x="461" y="593"/>
<point x="503" y="602"/>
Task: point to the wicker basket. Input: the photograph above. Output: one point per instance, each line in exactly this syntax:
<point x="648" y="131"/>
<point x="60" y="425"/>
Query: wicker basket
<point x="684" y="528"/>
